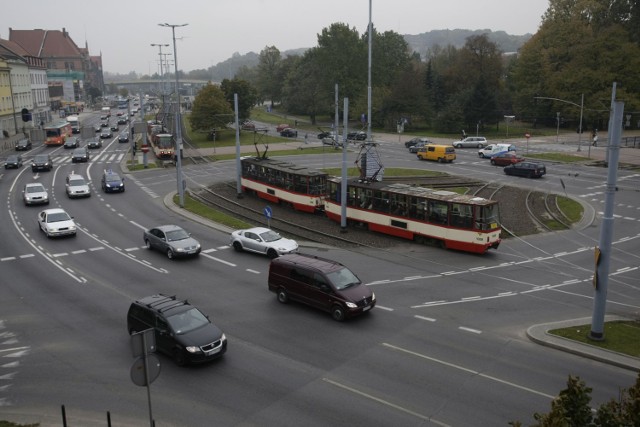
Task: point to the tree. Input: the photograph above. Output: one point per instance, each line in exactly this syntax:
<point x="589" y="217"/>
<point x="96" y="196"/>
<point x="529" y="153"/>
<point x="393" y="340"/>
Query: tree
<point x="247" y="95"/>
<point x="571" y="408"/>
<point x="268" y="85"/>
<point x="303" y="91"/>
<point x="210" y="109"/>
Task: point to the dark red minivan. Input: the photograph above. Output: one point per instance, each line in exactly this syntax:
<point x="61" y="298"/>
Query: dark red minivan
<point x="321" y="283"/>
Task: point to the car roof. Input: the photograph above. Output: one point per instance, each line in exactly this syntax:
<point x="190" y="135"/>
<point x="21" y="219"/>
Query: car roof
<point x="110" y="174"/>
<point x="165" y="303"/>
<point x="54" y="210"/>
<point x="33" y="184"/>
<point x="257" y="230"/>
<point x="167" y="227"/>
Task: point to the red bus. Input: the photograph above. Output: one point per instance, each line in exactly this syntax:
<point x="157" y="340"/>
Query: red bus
<point x="57" y="133"/>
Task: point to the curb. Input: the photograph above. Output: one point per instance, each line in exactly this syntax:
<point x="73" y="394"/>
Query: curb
<point x="540" y="335"/>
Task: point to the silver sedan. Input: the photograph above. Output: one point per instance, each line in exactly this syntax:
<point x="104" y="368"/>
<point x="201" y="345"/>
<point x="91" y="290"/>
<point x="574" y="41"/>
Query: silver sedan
<point x="171" y="240"/>
<point x="263" y="241"/>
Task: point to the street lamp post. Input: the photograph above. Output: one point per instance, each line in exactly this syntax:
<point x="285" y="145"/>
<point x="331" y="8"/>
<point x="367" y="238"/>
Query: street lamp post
<point x="178" y="116"/>
<point x="160" y="46"/>
<point x="572" y="103"/>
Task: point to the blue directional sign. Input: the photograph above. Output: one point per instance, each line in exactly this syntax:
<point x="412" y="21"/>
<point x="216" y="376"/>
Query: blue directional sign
<point x="268" y="213"/>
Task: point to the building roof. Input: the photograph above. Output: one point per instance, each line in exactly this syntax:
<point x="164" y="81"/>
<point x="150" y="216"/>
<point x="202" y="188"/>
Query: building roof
<point x="11" y="50"/>
<point x="46" y="43"/>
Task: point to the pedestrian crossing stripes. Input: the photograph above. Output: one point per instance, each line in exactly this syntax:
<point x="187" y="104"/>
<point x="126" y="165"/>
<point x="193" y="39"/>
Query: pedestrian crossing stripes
<point x="105" y="157"/>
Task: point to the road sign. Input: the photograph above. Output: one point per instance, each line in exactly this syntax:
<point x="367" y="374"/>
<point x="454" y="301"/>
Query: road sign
<point x="268" y="213"/>
<point x="138" y="375"/>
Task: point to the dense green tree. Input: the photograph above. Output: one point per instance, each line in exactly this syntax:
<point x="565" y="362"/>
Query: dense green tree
<point x="269" y="87"/>
<point x="210" y="109"/>
<point x="247" y="95"/>
<point x="582" y="47"/>
<point x="303" y="92"/>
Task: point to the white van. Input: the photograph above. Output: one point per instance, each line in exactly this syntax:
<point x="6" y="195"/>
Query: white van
<point x="494" y="149"/>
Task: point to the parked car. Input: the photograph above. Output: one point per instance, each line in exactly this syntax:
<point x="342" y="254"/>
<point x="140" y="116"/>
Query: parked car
<point x="248" y="125"/>
<point x="72" y="142"/>
<point x="23" y="145"/>
<point x="471" y="141"/>
<point x="56" y="222"/>
<point x="526" y="169"/>
<point x="410" y="143"/>
<point x="282" y="127"/>
<point x="357" y="136"/>
<point x="289" y="133"/>
<point x="171" y="240"/>
<point x="181" y="330"/>
<point x="41" y="162"/>
<point x="14" y="161"/>
<point x="76" y="186"/>
<point x="326" y="134"/>
<point x="415" y="148"/>
<point x="34" y="193"/>
<point x="504" y="159"/>
<point x="262" y="240"/>
<point x="111" y="182"/>
<point x="80" y="154"/>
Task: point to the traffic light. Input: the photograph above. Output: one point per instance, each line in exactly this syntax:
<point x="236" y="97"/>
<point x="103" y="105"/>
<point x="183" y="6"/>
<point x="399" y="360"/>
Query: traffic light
<point x="26" y="115"/>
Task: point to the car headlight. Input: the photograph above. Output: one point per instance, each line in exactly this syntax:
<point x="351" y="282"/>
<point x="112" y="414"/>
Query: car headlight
<point x="192" y="349"/>
<point x="351" y="305"/>
<point x="373" y="296"/>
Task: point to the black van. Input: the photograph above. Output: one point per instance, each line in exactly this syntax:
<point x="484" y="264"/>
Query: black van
<point x="181" y="330"/>
<point x="321" y="283"/>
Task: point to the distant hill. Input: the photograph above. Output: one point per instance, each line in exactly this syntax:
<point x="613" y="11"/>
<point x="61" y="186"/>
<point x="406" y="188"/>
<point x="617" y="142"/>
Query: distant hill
<point x="420" y="43"/>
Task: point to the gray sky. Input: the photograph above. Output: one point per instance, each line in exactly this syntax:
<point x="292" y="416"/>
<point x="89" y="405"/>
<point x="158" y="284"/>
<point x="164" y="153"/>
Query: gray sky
<point x="123" y="30"/>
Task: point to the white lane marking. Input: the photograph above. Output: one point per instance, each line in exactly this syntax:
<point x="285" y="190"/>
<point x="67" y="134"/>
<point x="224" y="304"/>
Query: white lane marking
<point x="428" y="319"/>
<point x="470" y="371"/>
<point x="464" y="328"/>
<point x="219" y="260"/>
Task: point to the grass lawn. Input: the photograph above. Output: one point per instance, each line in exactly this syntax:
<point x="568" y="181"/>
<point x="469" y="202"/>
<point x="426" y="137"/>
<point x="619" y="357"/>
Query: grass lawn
<point x="619" y="336"/>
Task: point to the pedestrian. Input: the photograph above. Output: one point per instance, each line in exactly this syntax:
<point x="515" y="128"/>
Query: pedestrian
<point x="464" y="134"/>
<point x="595" y="138"/>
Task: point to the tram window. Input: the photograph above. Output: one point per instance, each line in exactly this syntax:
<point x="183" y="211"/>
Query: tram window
<point x="461" y="215"/>
<point x="438" y="212"/>
<point x="487" y="217"/>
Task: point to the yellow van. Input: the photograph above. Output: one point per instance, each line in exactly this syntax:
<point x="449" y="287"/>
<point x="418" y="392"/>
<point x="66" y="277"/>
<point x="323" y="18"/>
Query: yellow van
<point x="440" y="153"/>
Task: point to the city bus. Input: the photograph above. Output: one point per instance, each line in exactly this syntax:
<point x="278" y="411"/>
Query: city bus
<point x="123" y="104"/>
<point x="57" y="133"/>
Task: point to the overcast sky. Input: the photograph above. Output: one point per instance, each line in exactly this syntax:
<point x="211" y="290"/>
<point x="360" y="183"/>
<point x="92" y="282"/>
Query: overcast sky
<point x="123" y="30"/>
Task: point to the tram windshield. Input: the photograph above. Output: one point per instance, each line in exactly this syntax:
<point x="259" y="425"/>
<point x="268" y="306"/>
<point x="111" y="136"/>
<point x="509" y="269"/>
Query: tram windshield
<point x="487" y="217"/>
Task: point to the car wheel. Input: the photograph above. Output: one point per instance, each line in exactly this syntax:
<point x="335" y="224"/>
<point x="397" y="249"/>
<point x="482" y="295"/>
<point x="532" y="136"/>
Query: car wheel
<point x="458" y="146"/>
<point x="337" y="312"/>
<point x="178" y="357"/>
<point x="480" y="145"/>
<point x="170" y="254"/>
<point x="237" y="246"/>
<point x="283" y="297"/>
<point x="440" y="160"/>
<point x="493" y="162"/>
<point x="272" y="253"/>
<point x="147" y="243"/>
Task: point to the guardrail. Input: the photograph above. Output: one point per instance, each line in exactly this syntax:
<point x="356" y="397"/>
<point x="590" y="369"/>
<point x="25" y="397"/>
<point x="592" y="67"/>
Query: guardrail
<point x="630" y="141"/>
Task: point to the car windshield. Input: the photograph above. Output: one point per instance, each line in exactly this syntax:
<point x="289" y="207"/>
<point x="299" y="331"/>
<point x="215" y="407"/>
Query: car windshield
<point x="343" y="278"/>
<point x="174" y="235"/>
<point x="112" y="178"/>
<point x="76" y="182"/>
<point x="58" y="216"/>
<point x="270" y="236"/>
<point x="12" y="158"/>
<point x="187" y="321"/>
<point x="35" y="189"/>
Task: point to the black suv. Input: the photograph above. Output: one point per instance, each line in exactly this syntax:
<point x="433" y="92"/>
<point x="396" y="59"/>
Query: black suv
<point x="526" y="169"/>
<point x="181" y="330"/>
<point x="41" y="162"/>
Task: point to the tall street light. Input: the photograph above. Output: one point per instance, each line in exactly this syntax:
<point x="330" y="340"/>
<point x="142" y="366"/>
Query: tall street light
<point x="160" y="46"/>
<point x="178" y="116"/>
<point x="572" y="103"/>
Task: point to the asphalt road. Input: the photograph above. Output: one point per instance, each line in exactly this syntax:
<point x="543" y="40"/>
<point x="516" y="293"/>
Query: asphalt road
<point x="446" y="344"/>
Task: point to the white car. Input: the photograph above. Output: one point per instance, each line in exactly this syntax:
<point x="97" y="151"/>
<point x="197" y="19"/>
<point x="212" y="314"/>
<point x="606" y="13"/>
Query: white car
<point x="77" y="186"/>
<point x="56" y="222"/>
<point x="35" y="194"/>
<point x="471" y="141"/>
<point x="263" y="241"/>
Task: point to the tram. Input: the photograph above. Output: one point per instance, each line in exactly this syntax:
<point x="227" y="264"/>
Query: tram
<point x="285" y="183"/>
<point x="454" y="221"/>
